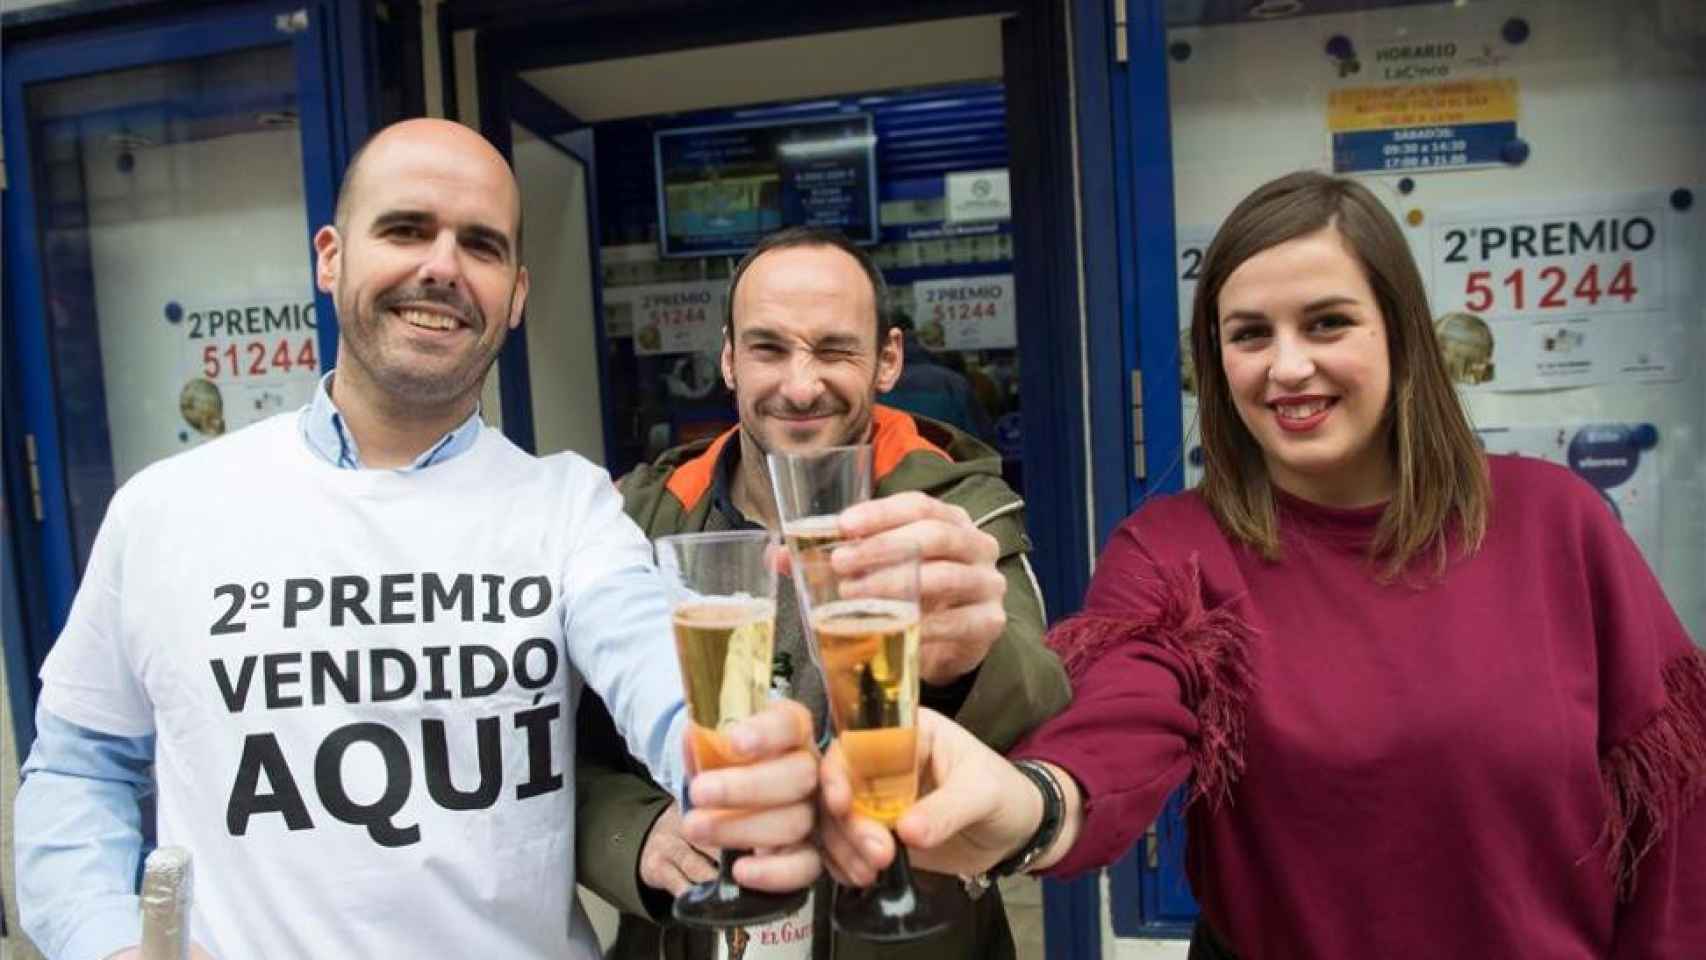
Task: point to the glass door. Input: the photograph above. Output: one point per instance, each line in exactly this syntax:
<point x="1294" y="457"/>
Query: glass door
<point x="165" y="183"/>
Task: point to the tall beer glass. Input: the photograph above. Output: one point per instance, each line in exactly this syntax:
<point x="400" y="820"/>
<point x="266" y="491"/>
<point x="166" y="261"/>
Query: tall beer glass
<point x="864" y="624"/>
<point x="724" y="614"/>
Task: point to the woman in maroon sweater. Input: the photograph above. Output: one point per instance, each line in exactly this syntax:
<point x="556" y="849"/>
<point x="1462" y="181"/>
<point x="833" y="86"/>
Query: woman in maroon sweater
<point x="1428" y="703"/>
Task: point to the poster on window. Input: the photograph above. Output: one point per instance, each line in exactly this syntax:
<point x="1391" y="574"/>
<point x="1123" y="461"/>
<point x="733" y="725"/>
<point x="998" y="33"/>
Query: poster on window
<point x="1574" y="292"/>
<point x="1424" y="100"/>
<point x="670" y="317"/>
<point x="1620" y="460"/>
<point x="966" y="313"/>
<point x="1417" y="128"/>
<point x="242" y="361"/>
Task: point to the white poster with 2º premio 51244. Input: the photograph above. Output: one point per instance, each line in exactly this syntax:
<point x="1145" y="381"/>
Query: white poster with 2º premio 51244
<point x="1569" y="292"/>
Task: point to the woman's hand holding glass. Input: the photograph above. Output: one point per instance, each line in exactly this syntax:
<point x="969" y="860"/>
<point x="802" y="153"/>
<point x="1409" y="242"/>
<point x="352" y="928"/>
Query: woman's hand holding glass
<point x="976" y="810"/>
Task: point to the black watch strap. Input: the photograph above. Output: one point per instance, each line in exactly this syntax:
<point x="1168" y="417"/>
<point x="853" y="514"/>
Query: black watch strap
<point x="1048" y="828"/>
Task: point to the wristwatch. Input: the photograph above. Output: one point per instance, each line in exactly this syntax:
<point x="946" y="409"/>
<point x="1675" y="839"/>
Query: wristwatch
<point x="1048" y="829"/>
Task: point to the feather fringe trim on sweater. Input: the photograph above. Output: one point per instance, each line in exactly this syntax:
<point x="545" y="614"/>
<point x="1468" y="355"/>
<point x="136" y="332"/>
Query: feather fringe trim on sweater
<point x="1654" y="777"/>
<point x="1215" y="649"/>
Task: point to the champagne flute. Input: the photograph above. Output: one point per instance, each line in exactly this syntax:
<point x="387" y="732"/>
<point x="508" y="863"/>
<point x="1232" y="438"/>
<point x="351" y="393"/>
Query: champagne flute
<point x="812" y="489"/>
<point x="864" y="624"/>
<point x="724" y="615"/>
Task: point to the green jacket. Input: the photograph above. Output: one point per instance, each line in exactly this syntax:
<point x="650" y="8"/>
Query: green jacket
<point x="1019" y="685"/>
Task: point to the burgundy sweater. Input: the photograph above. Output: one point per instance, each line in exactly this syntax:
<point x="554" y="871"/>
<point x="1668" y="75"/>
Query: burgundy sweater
<point x="1500" y="763"/>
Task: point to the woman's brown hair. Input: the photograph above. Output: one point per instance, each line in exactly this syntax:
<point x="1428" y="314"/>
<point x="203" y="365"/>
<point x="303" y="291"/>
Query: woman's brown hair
<point x="1442" y="489"/>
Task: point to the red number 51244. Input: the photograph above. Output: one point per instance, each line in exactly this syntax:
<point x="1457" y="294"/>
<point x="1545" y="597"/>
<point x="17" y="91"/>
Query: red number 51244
<point x="1552" y="288"/>
<point x="256" y="359"/>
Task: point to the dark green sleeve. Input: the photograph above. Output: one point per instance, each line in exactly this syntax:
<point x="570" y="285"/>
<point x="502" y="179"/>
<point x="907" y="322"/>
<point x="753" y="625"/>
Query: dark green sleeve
<point x="1021" y="682"/>
<point x="615" y="807"/>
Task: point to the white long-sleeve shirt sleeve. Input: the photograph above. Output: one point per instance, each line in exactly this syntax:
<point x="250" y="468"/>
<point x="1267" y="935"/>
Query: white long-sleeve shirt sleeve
<point x="79" y="839"/>
<point x="78" y="828"/>
<point x="618" y="630"/>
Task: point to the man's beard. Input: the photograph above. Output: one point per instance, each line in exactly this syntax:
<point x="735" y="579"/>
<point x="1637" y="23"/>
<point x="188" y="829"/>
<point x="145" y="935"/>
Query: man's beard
<point x="403" y="382"/>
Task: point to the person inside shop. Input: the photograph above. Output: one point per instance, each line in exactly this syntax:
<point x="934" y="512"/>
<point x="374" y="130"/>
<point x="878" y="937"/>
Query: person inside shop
<point x="930" y="386"/>
<point x="1424" y="702"/>
<point x="343" y="646"/>
<point x="807" y="353"/>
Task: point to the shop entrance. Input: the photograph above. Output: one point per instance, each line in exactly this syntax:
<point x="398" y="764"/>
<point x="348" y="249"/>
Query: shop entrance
<point x="939" y="139"/>
<point x="923" y="116"/>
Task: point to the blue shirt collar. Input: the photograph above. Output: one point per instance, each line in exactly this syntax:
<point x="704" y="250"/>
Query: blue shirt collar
<point x="324" y="432"/>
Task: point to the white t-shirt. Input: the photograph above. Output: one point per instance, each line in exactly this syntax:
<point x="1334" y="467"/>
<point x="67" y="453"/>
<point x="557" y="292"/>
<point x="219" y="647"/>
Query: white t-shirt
<point x="363" y="687"/>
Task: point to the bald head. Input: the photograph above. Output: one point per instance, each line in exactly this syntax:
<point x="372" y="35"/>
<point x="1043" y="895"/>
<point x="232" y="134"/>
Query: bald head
<point x="394" y="146"/>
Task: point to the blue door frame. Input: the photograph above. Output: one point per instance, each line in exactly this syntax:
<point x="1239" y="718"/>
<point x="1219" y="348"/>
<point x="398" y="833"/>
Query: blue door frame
<point x="1150" y="296"/>
<point x="1124" y="151"/>
<point x="37" y="501"/>
<point x="1149" y="894"/>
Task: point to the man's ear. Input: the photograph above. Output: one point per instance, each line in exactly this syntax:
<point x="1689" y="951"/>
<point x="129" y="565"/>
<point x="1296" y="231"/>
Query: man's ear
<point x="328" y="248"/>
<point x="728" y="361"/>
<point x="518" y="299"/>
<point x="891" y="356"/>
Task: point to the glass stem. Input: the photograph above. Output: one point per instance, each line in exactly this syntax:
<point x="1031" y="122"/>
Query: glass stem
<point x="727" y="887"/>
<point x="895" y="883"/>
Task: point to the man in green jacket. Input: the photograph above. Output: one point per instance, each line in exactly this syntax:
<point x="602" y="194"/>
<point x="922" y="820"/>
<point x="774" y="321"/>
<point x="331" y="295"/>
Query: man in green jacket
<point x="807" y="349"/>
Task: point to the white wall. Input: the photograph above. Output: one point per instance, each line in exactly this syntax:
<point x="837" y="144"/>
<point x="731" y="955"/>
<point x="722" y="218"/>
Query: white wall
<point x="1610" y="99"/>
<point x="562" y="339"/>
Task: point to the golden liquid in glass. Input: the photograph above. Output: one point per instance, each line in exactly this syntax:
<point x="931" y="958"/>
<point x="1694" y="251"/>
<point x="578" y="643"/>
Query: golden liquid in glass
<point x="869" y="650"/>
<point x="724" y="647"/>
<point x="810" y="540"/>
<point x="884" y="768"/>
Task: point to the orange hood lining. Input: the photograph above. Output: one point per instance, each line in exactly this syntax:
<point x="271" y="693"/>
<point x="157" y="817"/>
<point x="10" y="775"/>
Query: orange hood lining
<point x="895" y="437"/>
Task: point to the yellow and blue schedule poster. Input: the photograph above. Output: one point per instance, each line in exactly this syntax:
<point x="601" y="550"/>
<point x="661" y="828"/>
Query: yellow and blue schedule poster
<point x="1421" y="127"/>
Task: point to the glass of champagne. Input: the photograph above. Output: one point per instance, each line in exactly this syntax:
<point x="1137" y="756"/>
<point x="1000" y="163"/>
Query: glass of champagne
<point x="812" y="488"/>
<point x="864" y="624"/>
<point x="724" y="612"/>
